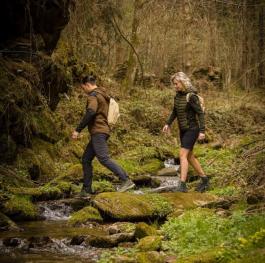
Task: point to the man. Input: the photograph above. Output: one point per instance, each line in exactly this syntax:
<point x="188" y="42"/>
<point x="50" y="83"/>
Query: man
<point x="190" y="116"/>
<point x="96" y="120"/>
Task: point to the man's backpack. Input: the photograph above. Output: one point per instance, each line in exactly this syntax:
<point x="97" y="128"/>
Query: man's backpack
<point x="201" y="100"/>
<point x="113" y="112"/>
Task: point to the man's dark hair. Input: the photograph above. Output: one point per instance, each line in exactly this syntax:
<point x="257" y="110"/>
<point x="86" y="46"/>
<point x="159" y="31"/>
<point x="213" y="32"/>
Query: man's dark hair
<point x="89" y="79"/>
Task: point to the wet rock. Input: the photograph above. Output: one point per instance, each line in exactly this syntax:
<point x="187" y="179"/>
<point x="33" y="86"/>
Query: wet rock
<point x="131" y="207"/>
<point x="77" y="240"/>
<point x="150" y="243"/>
<point x="146" y="180"/>
<point x="6" y="223"/>
<point x="169" y="171"/>
<point x="12" y="242"/>
<point x="54" y="210"/>
<point x="109" y="241"/>
<point x="37" y="242"/>
<point x="86" y="214"/>
<point x="150" y="257"/>
<point x="143" y="230"/>
<point x="75" y="203"/>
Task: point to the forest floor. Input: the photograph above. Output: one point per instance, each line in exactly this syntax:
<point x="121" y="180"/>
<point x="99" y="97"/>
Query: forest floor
<point x="233" y="156"/>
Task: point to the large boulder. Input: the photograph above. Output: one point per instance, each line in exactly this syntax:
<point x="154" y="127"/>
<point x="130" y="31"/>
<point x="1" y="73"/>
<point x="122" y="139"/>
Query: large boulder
<point x="133" y="207"/>
<point x="87" y="214"/>
<point x="128" y="206"/>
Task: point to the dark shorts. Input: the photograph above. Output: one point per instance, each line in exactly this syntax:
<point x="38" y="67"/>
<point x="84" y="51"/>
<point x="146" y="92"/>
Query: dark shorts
<point x="188" y="138"/>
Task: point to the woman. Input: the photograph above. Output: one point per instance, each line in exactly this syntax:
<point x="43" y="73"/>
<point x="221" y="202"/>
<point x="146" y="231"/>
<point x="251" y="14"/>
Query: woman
<point x="190" y="117"/>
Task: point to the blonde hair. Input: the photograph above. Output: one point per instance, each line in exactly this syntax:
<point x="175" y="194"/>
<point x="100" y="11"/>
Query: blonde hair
<point x="184" y="80"/>
<point x="183" y="86"/>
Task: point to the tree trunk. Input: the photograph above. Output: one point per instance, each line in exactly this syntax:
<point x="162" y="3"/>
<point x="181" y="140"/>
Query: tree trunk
<point x="261" y="80"/>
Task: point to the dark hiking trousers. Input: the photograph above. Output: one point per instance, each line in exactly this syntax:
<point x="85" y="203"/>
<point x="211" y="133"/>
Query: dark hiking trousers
<point x="97" y="147"/>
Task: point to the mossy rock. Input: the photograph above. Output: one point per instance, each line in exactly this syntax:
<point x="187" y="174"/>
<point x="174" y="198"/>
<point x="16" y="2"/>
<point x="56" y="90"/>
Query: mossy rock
<point x="109" y="241"/>
<point x="46" y="155"/>
<point x="150" y="243"/>
<point x="102" y="186"/>
<point x="130" y="207"/>
<point x="188" y="200"/>
<point x="122" y="227"/>
<point x="6" y="223"/>
<point x="87" y="214"/>
<point x="20" y="208"/>
<point x="10" y="177"/>
<point x="143" y="230"/>
<point x="150" y="257"/>
<point x="45" y="127"/>
<point x="74" y="174"/>
<point x="151" y="166"/>
<point x="50" y="191"/>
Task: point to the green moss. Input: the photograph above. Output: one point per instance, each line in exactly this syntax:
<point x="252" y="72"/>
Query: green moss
<point x="6" y="223"/>
<point x="143" y="230"/>
<point x="50" y="191"/>
<point x="150" y="257"/>
<point x="151" y="166"/>
<point x="188" y="200"/>
<point x="45" y="127"/>
<point x="102" y="186"/>
<point x="21" y="206"/>
<point x="73" y="174"/>
<point x="150" y="243"/>
<point x="84" y="215"/>
<point x="127" y="206"/>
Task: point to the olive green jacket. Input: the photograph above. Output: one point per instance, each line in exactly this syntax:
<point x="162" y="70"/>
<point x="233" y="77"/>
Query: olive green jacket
<point x="189" y="114"/>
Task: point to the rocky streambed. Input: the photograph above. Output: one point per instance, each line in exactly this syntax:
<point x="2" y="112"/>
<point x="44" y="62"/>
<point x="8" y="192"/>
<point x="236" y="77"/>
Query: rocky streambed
<point x="81" y="229"/>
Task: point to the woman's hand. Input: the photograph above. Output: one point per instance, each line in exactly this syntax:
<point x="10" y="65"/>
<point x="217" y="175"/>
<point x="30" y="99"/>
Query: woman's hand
<point x="75" y="135"/>
<point x="166" y="128"/>
<point x="201" y="136"/>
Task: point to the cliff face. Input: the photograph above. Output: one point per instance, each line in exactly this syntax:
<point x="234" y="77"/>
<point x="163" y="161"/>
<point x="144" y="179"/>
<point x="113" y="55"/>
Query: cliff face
<point x="38" y="23"/>
<point x="29" y="79"/>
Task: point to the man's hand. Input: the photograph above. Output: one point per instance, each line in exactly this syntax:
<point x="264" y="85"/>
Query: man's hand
<point x="75" y="135"/>
<point x="166" y="129"/>
<point x="201" y="136"/>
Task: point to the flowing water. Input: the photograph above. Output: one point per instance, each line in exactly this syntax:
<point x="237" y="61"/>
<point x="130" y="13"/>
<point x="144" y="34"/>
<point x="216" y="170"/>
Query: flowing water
<point x="49" y="240"/>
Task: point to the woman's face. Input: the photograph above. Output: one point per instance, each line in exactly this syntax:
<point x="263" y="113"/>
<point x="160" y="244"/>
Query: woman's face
<point x="178" y="85"/>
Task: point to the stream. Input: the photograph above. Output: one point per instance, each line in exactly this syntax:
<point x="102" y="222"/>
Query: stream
<point x="53" y="239"/>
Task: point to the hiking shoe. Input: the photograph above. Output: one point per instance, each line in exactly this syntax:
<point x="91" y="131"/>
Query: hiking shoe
<point x="203" y="185"/>
<point x="182" y="187"/>
<point x="86" y="191"/>
<point x="126" y="185"/>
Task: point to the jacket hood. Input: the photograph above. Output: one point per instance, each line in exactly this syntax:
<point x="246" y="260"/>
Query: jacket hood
<point x="103" y="92"/>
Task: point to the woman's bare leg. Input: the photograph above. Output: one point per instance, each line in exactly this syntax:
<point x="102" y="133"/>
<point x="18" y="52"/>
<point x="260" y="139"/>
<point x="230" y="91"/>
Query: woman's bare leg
<point x="184" y="164"/>
<point x="195" y="164"/>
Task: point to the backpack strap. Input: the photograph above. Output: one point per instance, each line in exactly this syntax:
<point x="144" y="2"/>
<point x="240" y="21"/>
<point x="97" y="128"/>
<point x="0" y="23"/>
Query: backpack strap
<point x="189" y="95"/>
